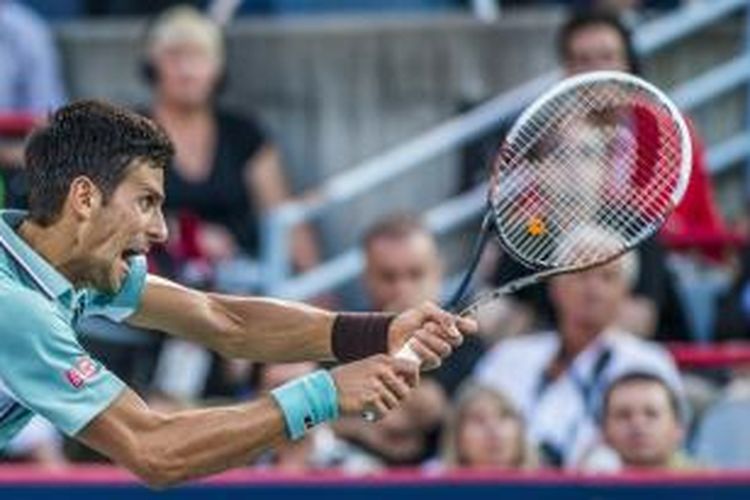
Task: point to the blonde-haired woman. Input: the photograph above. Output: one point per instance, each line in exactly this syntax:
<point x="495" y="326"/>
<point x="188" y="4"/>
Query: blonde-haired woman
<point x="227" y="171"/>
<point x="485" y="431"/>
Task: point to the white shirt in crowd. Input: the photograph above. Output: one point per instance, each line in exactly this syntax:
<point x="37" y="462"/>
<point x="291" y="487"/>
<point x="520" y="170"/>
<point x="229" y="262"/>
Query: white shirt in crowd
<point x="561" y="414"/>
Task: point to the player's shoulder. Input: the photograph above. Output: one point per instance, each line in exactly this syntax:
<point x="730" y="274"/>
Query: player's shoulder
<point x="22" y="305"/>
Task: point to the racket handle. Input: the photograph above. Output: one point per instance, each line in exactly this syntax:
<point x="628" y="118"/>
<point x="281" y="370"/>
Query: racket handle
<point x="407" y="353"/>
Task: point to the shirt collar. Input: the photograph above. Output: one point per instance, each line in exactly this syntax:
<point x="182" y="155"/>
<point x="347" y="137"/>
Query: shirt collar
<point x="45" y="276"/>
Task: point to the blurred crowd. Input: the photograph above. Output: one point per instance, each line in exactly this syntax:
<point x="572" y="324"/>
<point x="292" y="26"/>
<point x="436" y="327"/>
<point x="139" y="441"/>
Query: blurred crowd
<point x="573" y="374"/>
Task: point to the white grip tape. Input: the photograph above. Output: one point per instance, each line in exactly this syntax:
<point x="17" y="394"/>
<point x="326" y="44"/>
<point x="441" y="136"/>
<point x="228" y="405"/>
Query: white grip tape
<point x="407" y="353"/>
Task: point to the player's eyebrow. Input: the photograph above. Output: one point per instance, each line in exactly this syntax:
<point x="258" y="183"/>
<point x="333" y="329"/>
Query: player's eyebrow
<point x="155" y="193"/>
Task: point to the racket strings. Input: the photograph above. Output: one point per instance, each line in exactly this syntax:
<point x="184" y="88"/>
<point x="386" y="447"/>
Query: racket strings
<point x="568" y="215"/>
<point x="623" y="181"/>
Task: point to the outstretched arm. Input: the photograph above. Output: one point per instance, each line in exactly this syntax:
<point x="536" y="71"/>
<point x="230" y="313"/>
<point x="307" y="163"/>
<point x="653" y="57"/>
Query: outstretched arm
<point x="274" y="330"/>
<point x="167" y="449"/>
<point x="240" y="327"/>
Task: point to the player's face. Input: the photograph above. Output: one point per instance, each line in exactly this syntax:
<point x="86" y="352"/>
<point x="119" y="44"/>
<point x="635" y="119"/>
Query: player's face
<point x="127" y="225"/>
<point x="591" y="299"/>
<point x="640" y="424"/>
<point x="187" y="74"/>
<point x="596" y="48"/>
<point x="402" y="272"/>
<point x="488" y="436"/>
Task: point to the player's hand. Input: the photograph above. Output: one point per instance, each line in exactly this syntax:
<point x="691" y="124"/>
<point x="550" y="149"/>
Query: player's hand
<point x="377" y="384"/>
<point x="435" y="333"/>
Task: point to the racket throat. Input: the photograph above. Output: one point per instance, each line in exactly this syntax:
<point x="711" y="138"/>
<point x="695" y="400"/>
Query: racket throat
<point x="507" y="289"/>
<point x="488" y="223"/>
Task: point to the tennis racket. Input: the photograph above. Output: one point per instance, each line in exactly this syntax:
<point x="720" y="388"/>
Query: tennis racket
<point x="590" y="169"/>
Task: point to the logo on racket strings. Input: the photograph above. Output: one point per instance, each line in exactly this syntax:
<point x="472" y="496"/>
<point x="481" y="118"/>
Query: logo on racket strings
<point x="536" y="226"/>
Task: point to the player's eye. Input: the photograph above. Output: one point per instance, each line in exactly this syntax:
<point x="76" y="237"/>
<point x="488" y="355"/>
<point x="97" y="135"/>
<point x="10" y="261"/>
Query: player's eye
<point x="146" y="203"/>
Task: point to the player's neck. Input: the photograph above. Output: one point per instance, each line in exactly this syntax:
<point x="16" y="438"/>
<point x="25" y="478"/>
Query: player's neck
<point x="53" y="243"/>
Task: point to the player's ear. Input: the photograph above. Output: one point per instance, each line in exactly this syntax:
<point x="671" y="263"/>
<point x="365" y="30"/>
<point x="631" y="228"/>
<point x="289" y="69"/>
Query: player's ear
<point x="84" y="197"/>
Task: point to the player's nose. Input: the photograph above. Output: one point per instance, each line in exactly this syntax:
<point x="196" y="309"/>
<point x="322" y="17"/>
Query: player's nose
<point x="157" y="229"/>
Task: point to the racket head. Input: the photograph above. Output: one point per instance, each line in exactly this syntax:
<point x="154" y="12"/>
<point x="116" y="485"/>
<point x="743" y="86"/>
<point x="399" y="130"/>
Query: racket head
<point x="588" y="171"/>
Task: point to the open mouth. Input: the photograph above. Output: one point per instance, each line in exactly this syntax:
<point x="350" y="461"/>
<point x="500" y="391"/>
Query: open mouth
<point x="130" y="252"/>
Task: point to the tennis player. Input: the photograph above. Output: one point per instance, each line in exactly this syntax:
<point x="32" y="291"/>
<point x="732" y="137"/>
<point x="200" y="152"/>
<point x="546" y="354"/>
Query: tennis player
<point x="96" y="188"/>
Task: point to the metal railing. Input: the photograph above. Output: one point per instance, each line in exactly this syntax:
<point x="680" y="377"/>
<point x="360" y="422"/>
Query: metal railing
<point x="460" y="130"/>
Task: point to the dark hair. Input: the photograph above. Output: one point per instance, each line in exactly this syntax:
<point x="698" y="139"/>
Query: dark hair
<point x="395" y="226"/>
<point x="637" y="377"/>
<point x="582" y="20"/>
<point x="88" y="138"/>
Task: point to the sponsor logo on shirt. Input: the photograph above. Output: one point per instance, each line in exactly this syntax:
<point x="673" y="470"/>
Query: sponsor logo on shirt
<point x="85" y="368"/>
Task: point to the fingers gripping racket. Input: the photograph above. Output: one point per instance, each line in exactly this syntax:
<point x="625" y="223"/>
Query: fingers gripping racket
<point x="589" y="170"/>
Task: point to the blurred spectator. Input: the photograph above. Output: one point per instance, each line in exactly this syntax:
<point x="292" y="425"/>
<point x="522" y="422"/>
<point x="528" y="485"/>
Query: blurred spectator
<point x="598" y="41"/>
<point x="402" y="264"/>
<point x="592" y="41"/>
<point x="402" y="269"/>
<point x="642" y="425"/>
<point x="226" y="170"/>
<point x="733" y="306"/>
<point x="555" y="377"/>
<point x="225" y="174"/>
<point x="721" y="438"/>
<point x="38" y="443"/>
<point x="484" y="430"/>
<point x="58" y="10"/>
<point x="30" y="79"/>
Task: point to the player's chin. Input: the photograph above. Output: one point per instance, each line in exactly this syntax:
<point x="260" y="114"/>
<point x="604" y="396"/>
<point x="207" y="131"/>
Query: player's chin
<point x="112" y="282"/>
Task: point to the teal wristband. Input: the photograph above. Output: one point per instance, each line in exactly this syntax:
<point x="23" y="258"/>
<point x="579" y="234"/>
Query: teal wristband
<point x="307" y="401"/>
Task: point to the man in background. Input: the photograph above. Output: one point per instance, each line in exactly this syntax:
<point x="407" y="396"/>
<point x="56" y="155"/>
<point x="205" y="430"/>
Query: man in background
<point x="555" y="377"/>
<point x="642" y="426"/>
<point x="403" y="267"/>
<point x="596" y="41"/>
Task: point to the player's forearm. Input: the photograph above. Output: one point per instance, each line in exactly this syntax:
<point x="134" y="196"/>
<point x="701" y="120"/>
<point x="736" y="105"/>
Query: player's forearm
<point x="247" y="327"/>
<point x="164" y="450"/>
<point x="265" y="329"/>
<point x="272" y="330"/>
<point x="198" y="443"/>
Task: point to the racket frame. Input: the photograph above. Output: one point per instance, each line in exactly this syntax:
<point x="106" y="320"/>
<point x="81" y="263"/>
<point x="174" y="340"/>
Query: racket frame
<point x="565" y="86"/>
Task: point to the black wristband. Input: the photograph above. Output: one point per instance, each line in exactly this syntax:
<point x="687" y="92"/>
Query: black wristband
<point x="359" y="335"/>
